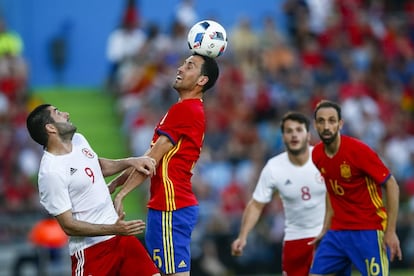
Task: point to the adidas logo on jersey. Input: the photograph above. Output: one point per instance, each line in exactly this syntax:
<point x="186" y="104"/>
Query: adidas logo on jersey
<point x="72" y="171"/>
<point x="288" y="182"/>
<point x="182" y="264"/>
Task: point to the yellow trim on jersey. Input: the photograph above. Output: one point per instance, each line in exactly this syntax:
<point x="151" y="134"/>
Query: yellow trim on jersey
<point x="377" y="201"/>
<point x="383" y="254"/>
<point x="167" y="183"/>
<point x="167" y="241"/>
<point x="372" y="189"/>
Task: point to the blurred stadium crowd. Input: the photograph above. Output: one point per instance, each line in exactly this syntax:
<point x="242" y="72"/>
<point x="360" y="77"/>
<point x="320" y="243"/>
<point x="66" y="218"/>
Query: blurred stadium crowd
<point x="18" y="163"/>
<point x="358" y="53"/>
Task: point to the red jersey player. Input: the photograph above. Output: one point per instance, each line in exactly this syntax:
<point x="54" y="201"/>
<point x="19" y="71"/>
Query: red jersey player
<point x="358" y="228"/>
<point x="175" y="147"/>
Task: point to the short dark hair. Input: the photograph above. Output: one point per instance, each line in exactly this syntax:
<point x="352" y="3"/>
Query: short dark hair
<point x="328" y="104"/>
<point x="36" y="122"/>
<point x="210" y="69"/>
<point x="297" y="117"/>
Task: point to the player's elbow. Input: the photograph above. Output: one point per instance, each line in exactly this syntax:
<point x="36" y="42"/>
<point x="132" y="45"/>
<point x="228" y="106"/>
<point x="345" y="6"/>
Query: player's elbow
<point x="69" y="229"/>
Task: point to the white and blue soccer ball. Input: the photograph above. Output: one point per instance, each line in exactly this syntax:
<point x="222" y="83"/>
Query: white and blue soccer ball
<point x="207" y="38"/>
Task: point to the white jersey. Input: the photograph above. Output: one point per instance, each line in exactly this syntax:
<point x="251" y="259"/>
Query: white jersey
<point x="75" y="182"/>
<point x="302" y="191"/>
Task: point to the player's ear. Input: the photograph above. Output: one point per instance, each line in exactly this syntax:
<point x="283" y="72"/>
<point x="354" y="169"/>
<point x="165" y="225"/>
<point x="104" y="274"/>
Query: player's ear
<point x="202" y="80"/>
<point x="341" y="123"/>
<point x="50" y="128"/>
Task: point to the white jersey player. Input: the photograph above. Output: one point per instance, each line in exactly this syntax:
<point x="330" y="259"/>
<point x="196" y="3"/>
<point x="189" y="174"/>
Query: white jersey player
<point x="72" y="188"/>
<point x="300" y="186"/>
<point x="302" y="191"/>
<point x="73" y="181"/>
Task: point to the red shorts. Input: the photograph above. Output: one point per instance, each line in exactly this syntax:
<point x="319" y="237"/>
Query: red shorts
<point x="121" y="255"/>
<point x="297" y="257"/>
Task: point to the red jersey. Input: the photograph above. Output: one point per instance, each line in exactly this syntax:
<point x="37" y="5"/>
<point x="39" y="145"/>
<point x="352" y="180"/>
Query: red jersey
<point x="184" y="124"/>
<point x="353" y="179"/>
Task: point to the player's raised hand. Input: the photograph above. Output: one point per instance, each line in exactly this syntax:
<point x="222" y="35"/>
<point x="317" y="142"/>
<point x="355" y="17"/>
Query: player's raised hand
<point x="145" y="165"/>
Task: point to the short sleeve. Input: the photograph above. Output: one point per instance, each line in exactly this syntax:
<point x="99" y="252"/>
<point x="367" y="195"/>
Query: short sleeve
<point x="264" y="189"/>
<point x="54" y="193"/>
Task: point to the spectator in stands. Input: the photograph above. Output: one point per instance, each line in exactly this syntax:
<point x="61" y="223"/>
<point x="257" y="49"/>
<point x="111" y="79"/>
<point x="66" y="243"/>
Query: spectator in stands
<point x="124" y="44"/>
<point x="185" y="13"/>
<point x="13" y="71"/>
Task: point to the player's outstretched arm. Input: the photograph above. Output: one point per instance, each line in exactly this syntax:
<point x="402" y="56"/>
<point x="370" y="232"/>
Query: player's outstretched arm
<point x="326" y="222"/>
<point x="135" y="178"/>
<point x="143" y="164"/>
<point x="392" y="204"/>
<point x="250" y="217"/>
<point x="119" y="180"/>
<point x="73" y="227"/>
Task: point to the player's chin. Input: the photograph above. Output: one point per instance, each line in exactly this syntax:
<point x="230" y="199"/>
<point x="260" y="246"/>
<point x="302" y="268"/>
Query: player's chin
<point x="176" y="84"/>
<point x="293" y="147"/>
<point x="327" y="139"/>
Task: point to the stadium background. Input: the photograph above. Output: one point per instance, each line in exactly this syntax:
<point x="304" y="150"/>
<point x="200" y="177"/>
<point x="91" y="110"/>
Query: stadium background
<point x="86" y="27"/>
<point x="80" y="87"/>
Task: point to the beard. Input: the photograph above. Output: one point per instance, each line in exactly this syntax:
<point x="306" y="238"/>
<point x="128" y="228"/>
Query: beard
<point x="327" y="140"/>
<point x="66" y="130"/>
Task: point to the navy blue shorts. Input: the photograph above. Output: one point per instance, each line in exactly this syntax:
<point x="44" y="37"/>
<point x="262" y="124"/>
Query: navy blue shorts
<point x="168" y="238"/>
<point x="338" y="250"/>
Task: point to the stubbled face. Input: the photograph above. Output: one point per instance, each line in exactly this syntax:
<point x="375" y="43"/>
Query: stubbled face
<point x="327" y="124"/>
<point x="189" y="74"/>
<point x="62" y="122"/>
<point x="295" y="137"/>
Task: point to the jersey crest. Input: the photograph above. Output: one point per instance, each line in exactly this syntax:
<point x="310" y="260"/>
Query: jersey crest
<point x="88" y="153"/>
<point x="345" y="171"/>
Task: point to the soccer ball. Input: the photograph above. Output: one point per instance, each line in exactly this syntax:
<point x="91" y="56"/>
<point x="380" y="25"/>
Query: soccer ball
<point x="207" y="38"/>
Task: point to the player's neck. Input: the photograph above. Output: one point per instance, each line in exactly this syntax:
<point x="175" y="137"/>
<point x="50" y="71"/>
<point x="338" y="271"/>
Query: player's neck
<point x="299" y="159"/>
<point x="332" y="148"/>
<point x="59" y="147"/>
<point x="191" y="94"/>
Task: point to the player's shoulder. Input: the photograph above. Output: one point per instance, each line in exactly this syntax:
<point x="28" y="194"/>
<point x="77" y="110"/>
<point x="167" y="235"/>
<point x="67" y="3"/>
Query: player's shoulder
<point x="316" y="149"/>
<point x="281" y="157"/>
<point x="78" y="136"/>
<point x="78" y="140"/>
<point x="51" y="163"/>
<point x="278" y="161"/>
<point x="353" y="143"/>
